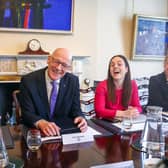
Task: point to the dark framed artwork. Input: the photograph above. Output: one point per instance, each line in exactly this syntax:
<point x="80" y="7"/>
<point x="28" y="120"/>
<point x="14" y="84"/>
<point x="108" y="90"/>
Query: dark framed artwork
<point x="150" y="40"/>
<point x="49" y="16"/>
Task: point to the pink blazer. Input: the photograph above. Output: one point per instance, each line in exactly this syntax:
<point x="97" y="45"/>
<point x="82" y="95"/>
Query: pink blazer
<point x="105" y="108"/>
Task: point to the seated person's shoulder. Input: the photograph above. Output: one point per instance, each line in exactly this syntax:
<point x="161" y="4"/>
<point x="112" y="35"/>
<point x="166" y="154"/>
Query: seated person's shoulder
<point x="157" y="77"/>
<point x="101" y="85"/>
<point x="70" y="76"/>
<point x="133" y="82"/>
<point x="33" y="74"/>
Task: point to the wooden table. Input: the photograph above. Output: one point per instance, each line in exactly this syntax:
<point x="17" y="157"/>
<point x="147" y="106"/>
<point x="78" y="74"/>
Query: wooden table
<point x="105" y="149"/>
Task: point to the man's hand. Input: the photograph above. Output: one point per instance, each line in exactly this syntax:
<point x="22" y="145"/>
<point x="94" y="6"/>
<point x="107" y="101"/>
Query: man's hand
<point x="81" y="123"/>
<point x="48" y="128"/>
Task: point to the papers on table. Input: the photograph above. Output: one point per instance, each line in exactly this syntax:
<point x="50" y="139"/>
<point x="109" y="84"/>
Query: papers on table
<point x="74" y="137"/>
<point x="165" y="113"/>
<point x="124" y="164"/>
<point x="135" y="127"/>
<point x="165" y="127"/>
<point x="116" y="127"/>
<point x="165" y="116"/>
<point x="137" y="124"/>
<point x="141" y="118"/>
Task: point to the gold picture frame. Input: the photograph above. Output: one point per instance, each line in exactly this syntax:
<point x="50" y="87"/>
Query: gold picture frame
<point x="150" y="38"/>
<point x="37" y="16"/>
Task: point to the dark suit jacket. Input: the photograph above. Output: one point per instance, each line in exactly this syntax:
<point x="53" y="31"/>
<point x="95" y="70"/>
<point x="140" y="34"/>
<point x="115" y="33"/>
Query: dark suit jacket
<point x="34" y="100"/>
<point x="158" y="91"/>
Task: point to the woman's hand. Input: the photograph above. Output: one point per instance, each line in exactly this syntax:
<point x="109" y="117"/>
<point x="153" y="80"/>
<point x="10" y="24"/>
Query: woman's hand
<point x="131" y="112"/>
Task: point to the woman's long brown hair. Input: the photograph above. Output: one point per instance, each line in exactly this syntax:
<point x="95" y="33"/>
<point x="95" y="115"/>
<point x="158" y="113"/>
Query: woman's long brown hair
<point x="127" y="88"/>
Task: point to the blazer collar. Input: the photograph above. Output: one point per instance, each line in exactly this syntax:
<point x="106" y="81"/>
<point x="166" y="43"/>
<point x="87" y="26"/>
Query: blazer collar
<point x="62" y="91"/>
<point x="41" y="83"/>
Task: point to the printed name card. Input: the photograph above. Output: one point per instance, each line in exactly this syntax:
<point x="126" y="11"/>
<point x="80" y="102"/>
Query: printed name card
<point x="124" y="164"/>
<point x="76" y="138"/>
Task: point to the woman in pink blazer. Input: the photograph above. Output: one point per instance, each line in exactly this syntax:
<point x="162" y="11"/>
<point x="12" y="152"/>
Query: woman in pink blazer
<point x="117" y="96"/>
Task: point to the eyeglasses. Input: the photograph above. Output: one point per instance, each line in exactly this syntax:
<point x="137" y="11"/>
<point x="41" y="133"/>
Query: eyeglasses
<point x="57" y="62"/>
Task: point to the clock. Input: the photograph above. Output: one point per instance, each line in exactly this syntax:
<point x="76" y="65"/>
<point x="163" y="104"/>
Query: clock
<point x="34" y="47"/>
<point x="87" y="81"/>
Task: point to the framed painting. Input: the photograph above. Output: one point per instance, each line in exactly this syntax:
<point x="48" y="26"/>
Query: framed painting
<point x="49" y="16"/>
<point x="150" y="39"/>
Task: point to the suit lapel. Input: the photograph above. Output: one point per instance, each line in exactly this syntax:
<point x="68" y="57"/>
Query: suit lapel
<point x="42" y="91"/>
<point x="41" y="83"/>
<point x="61" y="94"/>
<point x="164" y="85"/>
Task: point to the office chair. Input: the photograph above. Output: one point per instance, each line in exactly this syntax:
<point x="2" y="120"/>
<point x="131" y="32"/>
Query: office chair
<point x="15" y="95"/>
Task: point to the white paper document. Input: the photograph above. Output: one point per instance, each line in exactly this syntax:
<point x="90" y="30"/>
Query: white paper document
<point x="74" y="138"/>
<point x="124" y="164"/>
<point x="165" y="127"/>
<point x="165" y="113"/>
<point x="134" y="127"/>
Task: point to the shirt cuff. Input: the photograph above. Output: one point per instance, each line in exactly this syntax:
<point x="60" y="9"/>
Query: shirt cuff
<point x="36" y="124"/>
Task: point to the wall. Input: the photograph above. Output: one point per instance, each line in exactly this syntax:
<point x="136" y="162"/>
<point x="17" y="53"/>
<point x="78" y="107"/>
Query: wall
<point x="102" y="28"/>
<point x="115" y="33"/>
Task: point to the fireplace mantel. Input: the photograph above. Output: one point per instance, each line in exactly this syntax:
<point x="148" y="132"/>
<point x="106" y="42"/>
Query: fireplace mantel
<point x="10" y="78"/>
<point x="12" y="67"/>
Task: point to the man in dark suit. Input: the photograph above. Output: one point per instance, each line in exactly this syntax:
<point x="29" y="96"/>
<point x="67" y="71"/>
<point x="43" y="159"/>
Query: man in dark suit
<point x="35" y="92"/>
<point x="158" y="88"/>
